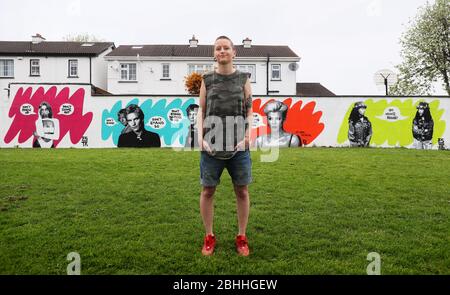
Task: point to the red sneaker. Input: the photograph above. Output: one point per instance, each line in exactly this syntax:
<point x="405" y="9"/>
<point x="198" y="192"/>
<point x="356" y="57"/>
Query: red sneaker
<point x="242" y="245"/>
<point x="208" y="245"/>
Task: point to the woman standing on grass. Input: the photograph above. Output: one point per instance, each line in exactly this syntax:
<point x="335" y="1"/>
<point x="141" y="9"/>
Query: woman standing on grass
<point x="225" y="96"/>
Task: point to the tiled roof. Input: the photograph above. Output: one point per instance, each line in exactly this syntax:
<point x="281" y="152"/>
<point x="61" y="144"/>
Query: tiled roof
<point x="200" y="51"/>
<point x="313" y="89"/>
<point x="52" y="48"/>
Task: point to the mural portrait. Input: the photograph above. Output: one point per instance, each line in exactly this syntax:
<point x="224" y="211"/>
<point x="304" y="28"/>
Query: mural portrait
<point x="47" y="128"/>
<point x="122" y="118"/>
<point x="399" y="122"/>
<point x="422" y="127"/>
<point x="138" y="136"/>
<point x="285" y="123"/>
<point x="359" y="126"/>
<point x="192" y="137"/>
<point x="58" y="114"/>
<point x="278" y="137"/>
<point x="167" y="118"/>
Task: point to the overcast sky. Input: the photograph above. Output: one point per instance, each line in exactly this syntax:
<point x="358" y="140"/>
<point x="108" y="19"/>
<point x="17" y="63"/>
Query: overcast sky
<point x="341" y="43"/>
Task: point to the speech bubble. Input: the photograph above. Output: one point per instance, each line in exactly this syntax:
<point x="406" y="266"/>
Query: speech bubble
<point x="257" y="121"/>
<point x="175" y="116"/>
<point x="66" y="109"/>
<point x="110" y="122"/>
<point x="157" y="122"/>
<point x="27" y="109"/>
<point x="392" y="114"/>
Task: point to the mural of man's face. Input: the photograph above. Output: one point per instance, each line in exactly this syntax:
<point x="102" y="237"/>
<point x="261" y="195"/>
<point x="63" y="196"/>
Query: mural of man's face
<point x="134" y="122"/>
<point x="275" y="120"/>
<point x="193" y="116"/>
<point x="362" y="111"/>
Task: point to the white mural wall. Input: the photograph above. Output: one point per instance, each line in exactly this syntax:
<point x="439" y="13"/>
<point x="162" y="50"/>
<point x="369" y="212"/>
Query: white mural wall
<point x="63" y="116"/>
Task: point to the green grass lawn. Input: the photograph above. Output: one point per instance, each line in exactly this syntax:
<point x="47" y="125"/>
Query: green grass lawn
<point x="135" y="211"/>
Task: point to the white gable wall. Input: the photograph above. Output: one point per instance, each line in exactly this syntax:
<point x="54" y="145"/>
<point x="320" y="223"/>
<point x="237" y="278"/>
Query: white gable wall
<point x="99" y="70"/>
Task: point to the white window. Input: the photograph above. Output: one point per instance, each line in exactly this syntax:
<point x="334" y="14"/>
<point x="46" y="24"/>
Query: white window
<point x="276" y="72"/>
<point x="128" y="72"/>
<point x="34" y="67"/>
<point x="7" y="68"/>
<point x="73" y="68"/>
<point x="166" y="71"/>
<point x="199" y="68"/>
<point x="250" y="69"/>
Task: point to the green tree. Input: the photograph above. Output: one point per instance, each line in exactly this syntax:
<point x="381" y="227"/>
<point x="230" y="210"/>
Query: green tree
<point x="84" y="37"/>
<point x="425" y="52"/>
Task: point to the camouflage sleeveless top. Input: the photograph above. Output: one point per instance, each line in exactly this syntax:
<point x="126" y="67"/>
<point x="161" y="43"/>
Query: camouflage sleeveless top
<point x="225" y="98"/>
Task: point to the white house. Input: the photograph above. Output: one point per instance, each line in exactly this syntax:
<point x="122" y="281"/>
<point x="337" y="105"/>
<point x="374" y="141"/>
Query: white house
<point x="41" y="61"/>
<point x="161" y="69"/>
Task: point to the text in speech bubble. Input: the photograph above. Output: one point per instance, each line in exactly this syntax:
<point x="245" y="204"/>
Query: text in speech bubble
<point x="175" y="116"/>
<point x="110" y="122"/>
<point x="157" y="122"/>
<point x="66" y="109"/>
<point x="27" y="109"/>
<point x="392" y="114"/>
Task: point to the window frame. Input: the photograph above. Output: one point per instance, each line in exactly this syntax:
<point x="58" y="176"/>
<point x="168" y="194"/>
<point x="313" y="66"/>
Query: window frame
<point x="38" y="66"/>
<point x="128" y="70"/>
<point x="4" y="66"/>
<point x="168" y="77"/>
<point x="70" y="68"/>
<point x="205" y="68"/>
<point x="272" y="70"/>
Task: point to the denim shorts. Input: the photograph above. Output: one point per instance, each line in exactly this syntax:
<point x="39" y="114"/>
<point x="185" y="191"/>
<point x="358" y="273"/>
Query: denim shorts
<point x="239" y="167"/>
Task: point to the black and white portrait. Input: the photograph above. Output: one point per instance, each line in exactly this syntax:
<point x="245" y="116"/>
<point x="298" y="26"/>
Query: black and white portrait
<point x="138" y="136"/>
<point x="47" y="128"/>
<point x="192" y="137"/>
<point x="122" y="118"/>
<point x="359" y="126"/>
<point x="422" y="127"/>
<point x="276" y="116"/>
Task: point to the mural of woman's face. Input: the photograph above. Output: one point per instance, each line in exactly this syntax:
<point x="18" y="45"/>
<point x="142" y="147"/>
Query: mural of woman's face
<point x="421" y="112"/>
<point x="44" y="112"/>
<point x="362" y="111"/>
<point x="123" y="120"/>
<point x="275" y="120"/>
<point x="134" y="122"/>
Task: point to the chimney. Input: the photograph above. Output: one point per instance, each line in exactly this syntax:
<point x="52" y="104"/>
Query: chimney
<point x="37" y="39"/>
<point x="247" y="42"/>
<point x="193" y="42"/>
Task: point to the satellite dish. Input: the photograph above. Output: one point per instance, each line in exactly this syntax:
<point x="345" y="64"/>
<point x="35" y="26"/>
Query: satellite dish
<point x="385" y="78"/>
<point x="293" y="66"/>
